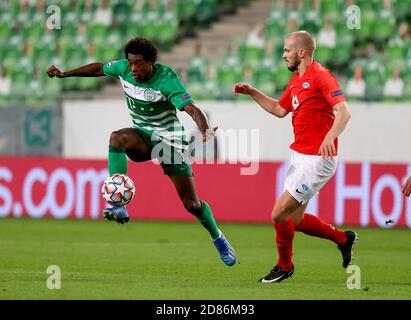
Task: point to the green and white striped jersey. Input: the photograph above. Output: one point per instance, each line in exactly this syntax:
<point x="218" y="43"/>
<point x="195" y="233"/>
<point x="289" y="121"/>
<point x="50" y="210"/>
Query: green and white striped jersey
<point x="153" y="104"/>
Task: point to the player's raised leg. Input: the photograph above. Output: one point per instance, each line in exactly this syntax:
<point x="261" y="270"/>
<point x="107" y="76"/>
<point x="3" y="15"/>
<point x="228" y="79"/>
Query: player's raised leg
<point x="122" y="141"/>
<point x="314" y="226"/>
<point x="201" y="210"/>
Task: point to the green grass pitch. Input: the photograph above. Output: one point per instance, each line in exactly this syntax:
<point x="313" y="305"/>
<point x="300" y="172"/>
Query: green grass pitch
<point x="176" y="260"/>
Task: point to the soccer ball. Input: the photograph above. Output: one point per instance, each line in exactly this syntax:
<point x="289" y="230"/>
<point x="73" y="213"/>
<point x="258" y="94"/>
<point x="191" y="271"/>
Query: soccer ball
<point x="118" y="189"/>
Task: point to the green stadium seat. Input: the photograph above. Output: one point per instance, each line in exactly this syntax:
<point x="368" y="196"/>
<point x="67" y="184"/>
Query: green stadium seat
<point x="5" y="32"/>
<point x="252" y="56"/>
<point x="376" y="5"/>
<point x="35" y="93"/>
<point x="121" y="13"/>
<point x="206" y="11"/>
<point x="311" y="21"/>
<point x="343" y="50"/>
<point x="186" y="9"/>
<point x="97" y="31"/>
<point x="384" y="26"/>
<point x="197" y="71"/>
<point x="19" y="85"/>
<point x="368" y="17"/>
<point x="71" y="14"/>
<point x="323" y="54"/>
<point x="275" y="25"/>
<point x="396" y="49"/>
<point x="133" y="30"/>
<point x="150" y="26"/>
<point x="167" y="32"/>
<point x="400" y="8"/>
<point x="330" y="9"/>
<point x="341" y="54"/>
<point x="226" y="78"/>
<point x="34" y="32"/>
<point x="282" y="77"/>
<point x="265" y="79"/>
<point x="407" y="90"/>
<point x="229" y="75"/>
<point x="15" y="7"/>
<point x="114" y="39"/>
<point x="374" y="78"/>
<point x="196" y="90"/>
<point x="89" y="84"/>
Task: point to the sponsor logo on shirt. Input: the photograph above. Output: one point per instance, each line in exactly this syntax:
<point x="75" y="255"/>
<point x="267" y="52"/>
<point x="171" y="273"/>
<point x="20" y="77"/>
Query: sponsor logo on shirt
<point x="306" y="85"/>
<point x="149" y="95"/>
<point x="186" y="96"/>
<point x="336" y="93"/>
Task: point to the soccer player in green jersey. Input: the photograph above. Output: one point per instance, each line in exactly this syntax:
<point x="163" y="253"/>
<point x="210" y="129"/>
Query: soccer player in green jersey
<point x="154" y="92"/>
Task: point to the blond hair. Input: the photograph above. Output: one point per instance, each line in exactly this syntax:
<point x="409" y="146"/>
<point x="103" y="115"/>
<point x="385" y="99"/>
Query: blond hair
<point x="304" y="40"/>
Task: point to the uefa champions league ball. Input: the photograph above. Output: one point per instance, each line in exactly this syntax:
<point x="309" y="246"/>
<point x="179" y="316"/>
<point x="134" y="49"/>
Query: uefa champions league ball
<point x="118" y="189"/>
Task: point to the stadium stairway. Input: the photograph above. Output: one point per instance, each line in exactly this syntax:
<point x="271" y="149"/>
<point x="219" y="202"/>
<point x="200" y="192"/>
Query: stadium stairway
<point x="214" y="40"/>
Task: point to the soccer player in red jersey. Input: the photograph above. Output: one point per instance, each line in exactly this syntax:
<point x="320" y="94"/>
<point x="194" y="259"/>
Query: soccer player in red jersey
<point x="319" y="115"/>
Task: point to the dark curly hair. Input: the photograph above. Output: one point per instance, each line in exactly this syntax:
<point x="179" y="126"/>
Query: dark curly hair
<point x="141" y="46"/>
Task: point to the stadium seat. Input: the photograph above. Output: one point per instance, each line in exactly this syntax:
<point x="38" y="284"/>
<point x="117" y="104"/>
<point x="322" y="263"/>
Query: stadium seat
<point x="167" y="31"/>
<point x="206" y="12"/>
<point x="275" y="25"/>
<point x="323" y="54"/>
<point x="342" y="52"/>
<point x="374" y="78"/>
<point x="252" y="56"/>
<point x="384" y="26"/>
<point x="400" y="8"/>
<point x="265" y="79"/>
<point x="226" y="77"/>
<point x="311" y="21"/>
<point x="282" y="77"/>
<point x="330" y="9"/>
<point x="396" y="49"/>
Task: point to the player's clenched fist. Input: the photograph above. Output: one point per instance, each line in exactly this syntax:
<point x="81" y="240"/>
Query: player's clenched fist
<point x="209" y="134"/>
<point x="53" y="71"/>
<point x="243" y="88"/>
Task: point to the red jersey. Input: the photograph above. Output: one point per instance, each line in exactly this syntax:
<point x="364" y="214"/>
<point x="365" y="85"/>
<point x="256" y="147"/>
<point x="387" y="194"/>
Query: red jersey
<point x="311" y="99"/>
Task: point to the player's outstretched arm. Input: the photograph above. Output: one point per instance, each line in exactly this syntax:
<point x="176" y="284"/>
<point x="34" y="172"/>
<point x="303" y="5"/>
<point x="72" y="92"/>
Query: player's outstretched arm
<point x="201" y="120"/>
<point x="406" y="190"/>
<point x="269" y="104"/>
<point x="90" y="70"/>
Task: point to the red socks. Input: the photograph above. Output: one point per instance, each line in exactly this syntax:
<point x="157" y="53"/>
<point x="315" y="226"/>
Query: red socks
<point x="310" y="225"/>
<point x="284" y="239"/>
<point x="314" y="226"/>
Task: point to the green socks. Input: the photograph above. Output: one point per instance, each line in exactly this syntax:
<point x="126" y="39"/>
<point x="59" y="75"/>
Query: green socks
<point x="117" y="161"/>
<point x="207" y="220"/>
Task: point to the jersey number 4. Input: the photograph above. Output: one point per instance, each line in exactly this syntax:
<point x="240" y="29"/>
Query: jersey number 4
<point x="295" y="102"/>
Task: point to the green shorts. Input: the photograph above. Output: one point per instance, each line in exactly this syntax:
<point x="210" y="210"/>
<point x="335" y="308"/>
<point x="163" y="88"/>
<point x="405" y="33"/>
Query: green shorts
<point x="174" y="161"/>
